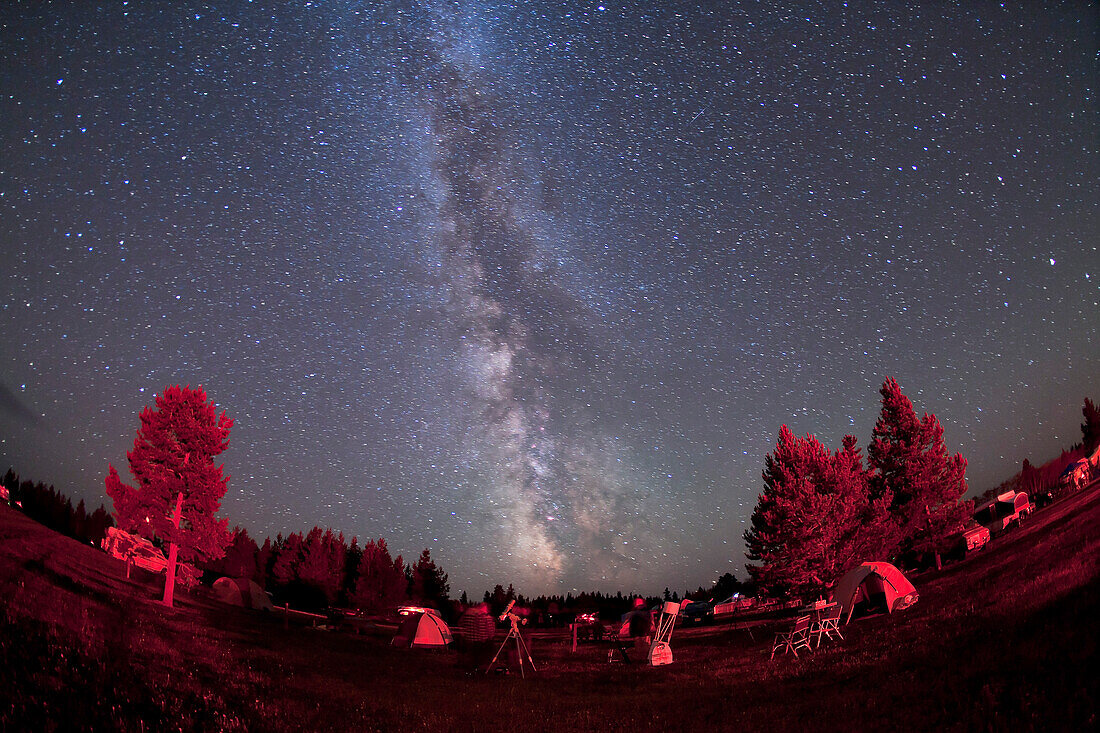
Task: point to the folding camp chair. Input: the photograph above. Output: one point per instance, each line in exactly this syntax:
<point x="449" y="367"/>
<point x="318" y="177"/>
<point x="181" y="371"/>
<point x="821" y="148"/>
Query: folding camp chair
<point x="828" y="624"/>
<point x="797" y="638"/>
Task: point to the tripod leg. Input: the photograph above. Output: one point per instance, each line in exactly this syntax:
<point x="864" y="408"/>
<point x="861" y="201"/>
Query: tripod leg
<point x="526" y="651"/>
<point x="519" y="654"/>
<point x="502" y="644"/>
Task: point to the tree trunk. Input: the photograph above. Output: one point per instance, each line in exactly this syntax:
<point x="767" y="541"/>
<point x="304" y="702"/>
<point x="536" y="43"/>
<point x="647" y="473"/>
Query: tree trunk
<point x="170" y="575"/>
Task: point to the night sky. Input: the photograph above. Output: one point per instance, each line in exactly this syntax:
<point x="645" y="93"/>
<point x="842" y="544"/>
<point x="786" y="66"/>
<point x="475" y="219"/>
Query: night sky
<point x="535" y="285"/>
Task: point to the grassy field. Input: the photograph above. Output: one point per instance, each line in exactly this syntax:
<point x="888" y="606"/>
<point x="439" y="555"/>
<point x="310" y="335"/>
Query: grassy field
<point x="1003" y="641"/>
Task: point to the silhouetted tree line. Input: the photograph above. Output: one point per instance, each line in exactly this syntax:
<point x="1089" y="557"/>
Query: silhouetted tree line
<point x="722" y="589"/>
<point x="561" y="609"/>
<point x="312" y="571"/>
<point x="1042" y="482"/>
<point x="822" y="513"/>
<point x="320" y="569"/>
<point x="50" y="507"/>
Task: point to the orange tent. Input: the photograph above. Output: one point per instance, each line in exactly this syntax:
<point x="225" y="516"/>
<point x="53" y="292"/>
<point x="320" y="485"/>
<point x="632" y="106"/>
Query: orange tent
<point x="874" y="579"/>
<point x="423" y="630"/>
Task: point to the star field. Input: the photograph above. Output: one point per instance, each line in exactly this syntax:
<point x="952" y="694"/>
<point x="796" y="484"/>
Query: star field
<point x="533" y="284"/>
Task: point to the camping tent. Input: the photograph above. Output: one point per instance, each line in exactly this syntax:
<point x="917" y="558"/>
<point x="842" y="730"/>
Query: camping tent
<point x="871" y="579"/>
<point x="423" y="630"/>
<point x="242" y="592"/>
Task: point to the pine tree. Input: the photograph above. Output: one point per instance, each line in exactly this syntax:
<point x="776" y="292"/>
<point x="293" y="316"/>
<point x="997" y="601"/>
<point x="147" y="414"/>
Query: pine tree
<point x="320" y="571"/>
<point x="288" y="555"/>
<point x="429" y="582"/>
<point x="816" y="518"/>
<point x="10" y="482"/>
<point x="264" y="560"/>
<point x="788" y="532"/>
<point x="859" y="523"/>
<point x="240" y="557"/>
<point x="313" y="568"/>
<point x="98" y="524"/>
<point x="380" y="585"/>
<point x="1030" y="479"/>
<point x="352" y="557"/>
<point x="923" y="484"/>
<point x="336" y="554"/>
<point x="178" y="488"/>
<point x="1090" y="429"/>
<point x="78" y="525"/>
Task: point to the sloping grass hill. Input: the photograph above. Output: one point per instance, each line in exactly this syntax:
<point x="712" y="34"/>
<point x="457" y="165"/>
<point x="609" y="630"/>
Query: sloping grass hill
<point x="1005" y="640"/>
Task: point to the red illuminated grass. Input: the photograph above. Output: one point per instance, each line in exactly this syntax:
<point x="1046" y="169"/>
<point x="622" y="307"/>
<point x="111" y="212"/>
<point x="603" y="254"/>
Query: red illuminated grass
<point x="1004" y="640"/>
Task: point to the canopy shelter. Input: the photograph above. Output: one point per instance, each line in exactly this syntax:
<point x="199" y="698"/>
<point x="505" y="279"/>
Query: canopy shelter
<point x="423" y="630"/>
<point x="871" y="580"/>
<point x="243" y="592"/>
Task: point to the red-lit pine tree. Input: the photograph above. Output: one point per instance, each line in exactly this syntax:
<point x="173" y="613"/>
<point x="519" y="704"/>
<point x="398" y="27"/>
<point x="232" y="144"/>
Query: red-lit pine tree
<point x="858" y="524"/>
<point x="178" y="488"/>
<point x="789" y="533"/>
<point x="288" y="555"/>
<point x="923" y="483"/>
<point x="815" y="519"/>
<point x="380" y="584"/>
<point x="322" y="567"/>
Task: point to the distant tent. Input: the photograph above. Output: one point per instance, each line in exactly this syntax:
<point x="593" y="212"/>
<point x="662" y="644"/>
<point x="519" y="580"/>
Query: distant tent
<point x="242" y="592"/>
<point x="423" y="630"/>
<point x="871" y="580"/>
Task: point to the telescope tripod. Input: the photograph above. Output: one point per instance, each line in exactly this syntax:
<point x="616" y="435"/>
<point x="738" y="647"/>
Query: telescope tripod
<point x="521" y="648"/>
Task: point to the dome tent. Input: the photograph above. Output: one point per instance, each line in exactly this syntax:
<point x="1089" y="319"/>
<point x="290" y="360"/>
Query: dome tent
<point x="242" y="592"/>
<point x="423" y="630"/>
<point x="874" y="579"/>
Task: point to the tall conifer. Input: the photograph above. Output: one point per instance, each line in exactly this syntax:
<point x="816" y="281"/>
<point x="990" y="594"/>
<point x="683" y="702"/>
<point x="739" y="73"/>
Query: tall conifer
<point x="178" y="488"/>
<point x="924" y="485"/>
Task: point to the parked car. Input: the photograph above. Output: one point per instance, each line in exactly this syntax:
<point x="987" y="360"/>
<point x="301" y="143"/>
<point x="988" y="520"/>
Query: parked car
<point x="697" y="612"/>
<point x="733" y="604"/>
<point x="972" y="537"/>
<point x="1076" y="475"/>
<point x="144" y="554"/>
<point x="1002" y="512"/>
<point x="135" y="549"/>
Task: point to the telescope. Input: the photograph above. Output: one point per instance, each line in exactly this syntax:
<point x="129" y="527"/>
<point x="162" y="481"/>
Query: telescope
<point x="513" y="633"/>
<point x="507" y="614"/>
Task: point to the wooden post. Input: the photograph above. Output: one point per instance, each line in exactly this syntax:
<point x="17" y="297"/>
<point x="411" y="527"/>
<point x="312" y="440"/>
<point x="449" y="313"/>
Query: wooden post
<point x="573" y="626"/>
<point x="170" y="574"/>
<point x="936" y="552"/>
